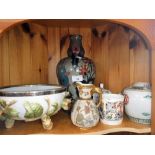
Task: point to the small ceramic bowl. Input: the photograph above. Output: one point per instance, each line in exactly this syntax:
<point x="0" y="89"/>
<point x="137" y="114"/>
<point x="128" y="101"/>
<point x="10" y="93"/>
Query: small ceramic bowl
<point x="30" y="102"/>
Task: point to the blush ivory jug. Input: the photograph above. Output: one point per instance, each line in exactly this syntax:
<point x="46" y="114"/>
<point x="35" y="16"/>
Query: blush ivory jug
<point x="85" y="112"/>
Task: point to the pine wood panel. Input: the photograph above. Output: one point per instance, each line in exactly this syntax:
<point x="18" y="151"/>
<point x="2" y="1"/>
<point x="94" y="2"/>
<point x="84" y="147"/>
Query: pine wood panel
<point x="119" y="60"/>
<point x="15" y="48"/>
<point x="140" y="62"/>
<point x="53" y="54"/>
<point x="105" y="60"/>
<point x="64" y="37"/>
<point x="23" y="58"/>
<point x="26" y="65"/>
<point x="39" y="54"/>
<point x="124" y="61"/>
<point x="4" y="60"/>
<point x="99" y="57"/>
<point x="117" y="65"/>
<point x="74" y="30"/>
<point x="86" y="41"/>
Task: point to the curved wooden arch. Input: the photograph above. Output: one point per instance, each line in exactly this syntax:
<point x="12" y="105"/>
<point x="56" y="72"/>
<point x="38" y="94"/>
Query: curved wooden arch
<point x="146" y="28"/>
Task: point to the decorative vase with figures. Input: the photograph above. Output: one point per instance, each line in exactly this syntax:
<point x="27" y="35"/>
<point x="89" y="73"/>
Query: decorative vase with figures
<point x="75" y="67"/>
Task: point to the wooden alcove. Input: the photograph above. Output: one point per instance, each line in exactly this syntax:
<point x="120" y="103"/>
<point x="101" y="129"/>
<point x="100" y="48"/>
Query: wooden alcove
<point x="122" y="51"/>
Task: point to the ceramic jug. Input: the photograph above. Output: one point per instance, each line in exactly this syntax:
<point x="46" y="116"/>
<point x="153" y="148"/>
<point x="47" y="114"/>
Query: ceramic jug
<point x="112" y="109"/>
<point x="85" y="110"/>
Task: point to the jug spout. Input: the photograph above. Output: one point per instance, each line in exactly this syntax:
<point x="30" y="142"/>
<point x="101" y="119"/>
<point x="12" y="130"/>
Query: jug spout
<point x="84" y="90"/>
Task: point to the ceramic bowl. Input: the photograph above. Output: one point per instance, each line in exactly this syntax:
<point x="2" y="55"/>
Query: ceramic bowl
<point x="30" y="102"/>
<point x="138" y="102"/>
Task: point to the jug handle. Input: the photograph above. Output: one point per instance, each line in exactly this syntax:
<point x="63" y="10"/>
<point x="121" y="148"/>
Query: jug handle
<point x="98" y="91"/>
<point x="78" y="84"/>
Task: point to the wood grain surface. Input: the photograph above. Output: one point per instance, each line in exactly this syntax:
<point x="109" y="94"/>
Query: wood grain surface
<point x="62" y="125"/>
<point x="117" y="65"/>
<point x="24" y="58"/>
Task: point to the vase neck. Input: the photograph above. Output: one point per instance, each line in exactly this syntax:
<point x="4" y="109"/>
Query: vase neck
<point x="75" y="49"/>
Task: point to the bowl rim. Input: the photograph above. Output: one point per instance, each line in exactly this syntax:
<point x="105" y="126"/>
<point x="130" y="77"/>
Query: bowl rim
<point x="33" y="92"/>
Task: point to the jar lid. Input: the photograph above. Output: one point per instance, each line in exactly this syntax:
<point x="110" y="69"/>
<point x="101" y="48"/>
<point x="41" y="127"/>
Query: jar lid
<point x="140" y="86"/>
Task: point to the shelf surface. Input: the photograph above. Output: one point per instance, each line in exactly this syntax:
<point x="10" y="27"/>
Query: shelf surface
<point x="63" y="125"/>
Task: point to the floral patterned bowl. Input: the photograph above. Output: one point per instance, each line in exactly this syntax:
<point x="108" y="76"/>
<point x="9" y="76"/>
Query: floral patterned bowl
<point x="30" y="102"/>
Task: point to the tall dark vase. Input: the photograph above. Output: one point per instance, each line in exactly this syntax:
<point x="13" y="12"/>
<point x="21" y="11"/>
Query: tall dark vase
<point x="75" y="67"/>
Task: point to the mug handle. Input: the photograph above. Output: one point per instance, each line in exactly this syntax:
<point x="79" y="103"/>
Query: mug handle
<point x="126" y="99"/>
<point x="98" y="91"/>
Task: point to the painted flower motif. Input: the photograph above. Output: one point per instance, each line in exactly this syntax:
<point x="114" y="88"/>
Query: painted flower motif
<point x="88" y="102"/>
<point x="148" y="96"/>
<point x="86" y="93"/>
<point x="33" y="110"/>
<point x="79" y="119"/>
<point x="78" y="108"/>
<point x="67" y="73"/>
<point x="84" y="69"/>
<point x="87" y="109"/>
<point x="145" y="114"/>
<point x="83" y="93"/>
<point x="119" y="107"/>
<point x="115" y="106"/>
<point x="6" y="110"/>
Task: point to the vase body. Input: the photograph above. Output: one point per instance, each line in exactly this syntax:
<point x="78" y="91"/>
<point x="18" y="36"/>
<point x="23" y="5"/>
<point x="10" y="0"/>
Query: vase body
<point x="75" y="67"/>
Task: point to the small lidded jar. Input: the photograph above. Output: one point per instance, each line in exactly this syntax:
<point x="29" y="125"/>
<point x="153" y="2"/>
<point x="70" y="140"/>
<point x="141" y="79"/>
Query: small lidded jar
<point x="138" y="102"/>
